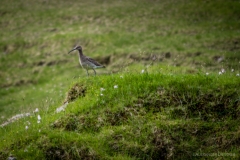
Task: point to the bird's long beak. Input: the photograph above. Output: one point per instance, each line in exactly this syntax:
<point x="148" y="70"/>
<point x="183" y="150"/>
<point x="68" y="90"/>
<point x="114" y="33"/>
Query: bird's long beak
<point x="72" y="50"/>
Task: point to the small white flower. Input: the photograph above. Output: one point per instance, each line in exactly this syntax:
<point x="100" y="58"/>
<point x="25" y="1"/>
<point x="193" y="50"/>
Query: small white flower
<point x="36" y="110"/>
<point x="143" y="71"/>
<point x="39" y="117"/>
<point x="101" y="94"/>
<point x="26" y="127"/>
<point x="115" y="86"/>
<point x="207" y="73"/>
<point x="220" y="73"/>
<point x="223" y="70"/>
<point x="232" y="70"/>
<point x="102" y="89"/>
<point x="237" y="74"/>
<point x="38" y="121"/>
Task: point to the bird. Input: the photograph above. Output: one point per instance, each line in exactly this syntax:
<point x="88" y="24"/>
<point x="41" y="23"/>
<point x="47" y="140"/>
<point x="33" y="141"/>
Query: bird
<point x="86" y="62"/>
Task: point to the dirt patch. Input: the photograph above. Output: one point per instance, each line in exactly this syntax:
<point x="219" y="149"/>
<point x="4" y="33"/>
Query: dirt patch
<point x="39" y="63"/>
<point x="78" y="90"/>
<point x="168" y="55"/>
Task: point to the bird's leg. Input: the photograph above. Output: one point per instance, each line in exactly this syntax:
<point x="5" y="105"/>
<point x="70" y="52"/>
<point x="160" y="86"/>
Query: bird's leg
<point x="94" y="71"/>
<point x="87" y="73"/>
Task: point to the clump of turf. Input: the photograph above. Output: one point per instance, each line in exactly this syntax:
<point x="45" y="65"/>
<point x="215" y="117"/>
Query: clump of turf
<point x="77" y="90"/>
<point x="54" y="147"/>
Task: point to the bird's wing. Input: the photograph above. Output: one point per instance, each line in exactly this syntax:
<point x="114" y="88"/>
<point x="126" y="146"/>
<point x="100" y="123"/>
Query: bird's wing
<point x="93" y="61"/>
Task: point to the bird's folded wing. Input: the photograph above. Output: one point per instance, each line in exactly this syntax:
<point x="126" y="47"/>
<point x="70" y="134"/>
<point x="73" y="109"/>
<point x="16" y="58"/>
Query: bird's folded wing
<point x="93" y="61"/>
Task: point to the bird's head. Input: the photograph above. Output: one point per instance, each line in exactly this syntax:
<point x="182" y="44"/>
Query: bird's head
<point x="76" y="48"/>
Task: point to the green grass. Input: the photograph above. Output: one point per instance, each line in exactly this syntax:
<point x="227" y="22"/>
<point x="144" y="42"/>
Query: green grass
<point x="148" y="115"/>
<point x="173" y="110"/>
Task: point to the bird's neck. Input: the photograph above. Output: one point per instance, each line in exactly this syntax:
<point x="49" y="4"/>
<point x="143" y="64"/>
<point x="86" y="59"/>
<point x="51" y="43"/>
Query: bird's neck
<point x="80" y="53"/>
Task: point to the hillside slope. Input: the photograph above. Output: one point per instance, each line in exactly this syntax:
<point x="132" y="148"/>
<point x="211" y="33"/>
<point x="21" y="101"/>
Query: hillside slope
<point x="130" y="116"/>
<point x="170" y="89"/>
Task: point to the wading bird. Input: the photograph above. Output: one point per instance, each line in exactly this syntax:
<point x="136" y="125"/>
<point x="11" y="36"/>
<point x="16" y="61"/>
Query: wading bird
<point x="86" y="62"/>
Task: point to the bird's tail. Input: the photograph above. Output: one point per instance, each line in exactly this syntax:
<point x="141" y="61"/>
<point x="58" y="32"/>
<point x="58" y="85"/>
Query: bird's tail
<point x="100" y="67"/>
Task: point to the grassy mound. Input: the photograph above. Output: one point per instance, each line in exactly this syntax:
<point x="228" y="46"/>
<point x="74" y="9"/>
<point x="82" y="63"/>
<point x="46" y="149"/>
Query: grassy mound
<point x="146" y="116"/>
